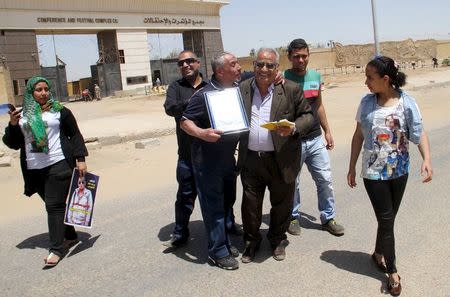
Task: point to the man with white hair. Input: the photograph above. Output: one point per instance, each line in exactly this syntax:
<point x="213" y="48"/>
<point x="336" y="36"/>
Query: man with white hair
<point x="213" y="162"/>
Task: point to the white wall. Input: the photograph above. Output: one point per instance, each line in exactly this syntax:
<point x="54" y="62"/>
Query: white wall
<point x="137" y="61"/>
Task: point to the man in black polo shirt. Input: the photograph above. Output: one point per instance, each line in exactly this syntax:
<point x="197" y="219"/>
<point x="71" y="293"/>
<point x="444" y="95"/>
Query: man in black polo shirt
<point x="177" y="99"/>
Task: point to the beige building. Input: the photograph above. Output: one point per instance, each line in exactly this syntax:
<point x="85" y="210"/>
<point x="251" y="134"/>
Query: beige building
<point x="6" y="89"/>
<point x="121" y="27"/>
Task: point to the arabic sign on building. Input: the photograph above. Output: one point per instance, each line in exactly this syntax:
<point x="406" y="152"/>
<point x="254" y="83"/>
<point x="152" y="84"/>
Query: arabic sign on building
<point x="173" y="21"/>
<point x="88" y="20"/>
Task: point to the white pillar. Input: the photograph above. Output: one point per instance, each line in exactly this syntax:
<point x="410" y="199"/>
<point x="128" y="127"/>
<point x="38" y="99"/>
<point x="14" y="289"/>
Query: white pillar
<point x="135" y="72"/>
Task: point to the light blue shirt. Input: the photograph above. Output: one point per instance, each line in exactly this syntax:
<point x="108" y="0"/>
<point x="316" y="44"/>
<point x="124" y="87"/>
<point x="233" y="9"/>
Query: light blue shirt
<point x="260" y="138"/>
<point x="413" y="118"/>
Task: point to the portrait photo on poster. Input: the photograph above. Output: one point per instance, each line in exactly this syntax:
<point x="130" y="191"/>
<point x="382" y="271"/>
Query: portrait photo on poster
<point x="81" y="199"/>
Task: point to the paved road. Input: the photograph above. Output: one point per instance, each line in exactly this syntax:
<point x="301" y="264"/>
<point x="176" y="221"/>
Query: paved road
<point x="123" y="254"/>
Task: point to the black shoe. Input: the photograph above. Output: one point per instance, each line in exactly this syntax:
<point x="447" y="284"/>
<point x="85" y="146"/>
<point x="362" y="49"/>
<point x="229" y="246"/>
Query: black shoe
<point x="249" y="254"/>
<point x="227" y="263"/>
<point x="233" y="251"/>
<point x="175" y="242"/>
<point x="279" y="251"/>
<point x="236" y="230"/>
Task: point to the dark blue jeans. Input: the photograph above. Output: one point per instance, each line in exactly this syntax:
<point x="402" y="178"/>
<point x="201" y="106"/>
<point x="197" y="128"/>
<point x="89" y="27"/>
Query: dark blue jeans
<point x="184" y="205"/>
<point x="217" y="193"/>
<point x="187" y="192"/>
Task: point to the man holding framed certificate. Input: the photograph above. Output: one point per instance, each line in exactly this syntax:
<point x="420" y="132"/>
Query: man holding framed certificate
<point x="270" y="158"/>
<point x="213" y="153"/>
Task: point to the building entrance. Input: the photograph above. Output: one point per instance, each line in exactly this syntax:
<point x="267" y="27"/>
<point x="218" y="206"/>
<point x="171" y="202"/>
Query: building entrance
<point x="122" y="34"/>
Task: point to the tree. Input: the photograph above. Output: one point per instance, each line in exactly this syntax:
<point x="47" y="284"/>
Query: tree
<point x="173" y="54"/>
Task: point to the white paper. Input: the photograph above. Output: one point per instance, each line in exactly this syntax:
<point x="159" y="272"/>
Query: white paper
<point x="226" y="110"/>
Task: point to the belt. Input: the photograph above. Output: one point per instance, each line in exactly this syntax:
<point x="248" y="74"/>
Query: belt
<point x="262" y="154"/>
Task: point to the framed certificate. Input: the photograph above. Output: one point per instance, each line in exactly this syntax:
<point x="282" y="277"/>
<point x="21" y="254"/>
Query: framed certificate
<point x="226" y="110"/>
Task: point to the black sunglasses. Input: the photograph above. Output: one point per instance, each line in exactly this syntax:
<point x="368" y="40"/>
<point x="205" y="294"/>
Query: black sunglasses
<point x="188" y="61"/>
<point x="261" y="65"/>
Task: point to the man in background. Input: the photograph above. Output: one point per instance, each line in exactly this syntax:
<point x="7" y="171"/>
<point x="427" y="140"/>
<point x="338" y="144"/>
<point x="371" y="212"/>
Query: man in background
<point x="314" y="151"/>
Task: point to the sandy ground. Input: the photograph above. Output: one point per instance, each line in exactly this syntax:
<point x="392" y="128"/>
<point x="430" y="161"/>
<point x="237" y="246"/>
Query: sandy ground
<point x="122" y="167"/>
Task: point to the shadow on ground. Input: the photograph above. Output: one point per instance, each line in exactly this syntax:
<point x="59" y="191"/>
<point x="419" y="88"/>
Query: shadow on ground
<point x="196" y="249"/>
<point x="41" y="241"/>
<point x="308" y="222"/>
<point x="355" y="262"/>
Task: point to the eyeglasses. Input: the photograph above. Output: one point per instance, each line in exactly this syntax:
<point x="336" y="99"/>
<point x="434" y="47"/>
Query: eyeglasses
<point x="188" y="61"/>
<point x="261" y="65"/>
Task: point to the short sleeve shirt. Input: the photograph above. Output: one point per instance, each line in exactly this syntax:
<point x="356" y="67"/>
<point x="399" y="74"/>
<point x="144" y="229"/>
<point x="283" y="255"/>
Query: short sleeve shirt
<point x="389" y="157"/>
<point x="311" y="83"/>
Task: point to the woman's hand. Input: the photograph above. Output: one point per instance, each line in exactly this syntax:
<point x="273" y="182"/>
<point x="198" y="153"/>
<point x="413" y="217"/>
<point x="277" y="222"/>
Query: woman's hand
<point x="428" y="170"/>
<point x="14" y="116"/>
<point x="82" y="168"/>
<point x="424" y="149"/>
<point x="351" y="175"/>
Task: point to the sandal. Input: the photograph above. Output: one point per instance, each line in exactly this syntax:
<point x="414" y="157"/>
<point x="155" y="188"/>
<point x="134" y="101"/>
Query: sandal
<point x="379" y="263"/>
<point x="52" y="260"/>
<point x="394" y="288"/>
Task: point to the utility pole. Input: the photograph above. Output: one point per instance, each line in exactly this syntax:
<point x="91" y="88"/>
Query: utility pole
<point x="57" y="70"/>
<point x="375" y="30"/>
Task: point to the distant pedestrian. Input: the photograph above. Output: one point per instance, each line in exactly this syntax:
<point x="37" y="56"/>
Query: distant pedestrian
<point x="97" y="91"/>
<point x="387" y="119"/>
<point x="86" y="95"/>
<point x="435" y="62"/>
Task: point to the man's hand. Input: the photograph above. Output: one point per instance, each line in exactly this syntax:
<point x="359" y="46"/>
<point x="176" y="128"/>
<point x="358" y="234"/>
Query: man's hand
<point x="279" y="79"/>
<point x="285" y="130"/>
<point x="210" y="135"/>
<point x="329" y="140"/>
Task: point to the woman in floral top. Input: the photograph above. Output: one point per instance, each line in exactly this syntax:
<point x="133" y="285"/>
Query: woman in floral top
<point x="387" y="119"/>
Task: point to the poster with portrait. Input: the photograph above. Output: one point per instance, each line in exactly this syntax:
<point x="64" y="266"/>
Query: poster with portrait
<point x="81" y="199"/>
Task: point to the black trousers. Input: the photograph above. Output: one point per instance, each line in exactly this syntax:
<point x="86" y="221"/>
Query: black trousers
<point x="53" y="184"/>
<point x="259" y="173"/>
<point x="386" y="196"/>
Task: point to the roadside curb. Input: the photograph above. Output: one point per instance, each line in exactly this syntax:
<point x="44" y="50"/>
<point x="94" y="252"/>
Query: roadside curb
<point x="122" y="138"/>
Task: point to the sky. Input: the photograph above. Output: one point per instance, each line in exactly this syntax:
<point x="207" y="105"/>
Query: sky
<point x="248" y="24"/>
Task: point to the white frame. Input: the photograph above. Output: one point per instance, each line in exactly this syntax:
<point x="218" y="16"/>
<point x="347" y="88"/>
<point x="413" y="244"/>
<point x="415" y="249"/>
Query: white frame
<point x="226" y="110"/>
